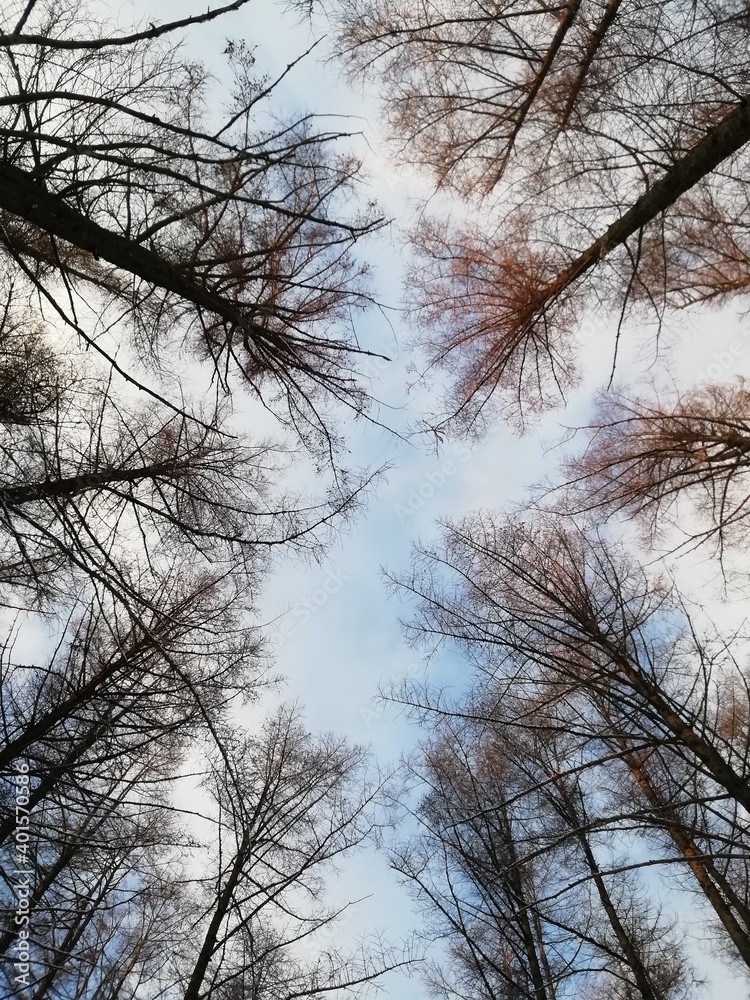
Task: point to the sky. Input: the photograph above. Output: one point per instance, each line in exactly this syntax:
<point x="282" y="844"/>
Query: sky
<point x="335" y="628"/>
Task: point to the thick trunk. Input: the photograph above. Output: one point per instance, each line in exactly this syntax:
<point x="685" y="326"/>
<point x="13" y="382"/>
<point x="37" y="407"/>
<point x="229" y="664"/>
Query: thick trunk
<point x="11" y="496"/>
<point x="193" y="991"/>
<point x="515" y="880"/>
<point x="21" y="196"/>
<point x="703" y="869"/>
<point x="722" y="772"/>
<point x="644" y="688"/>
<point x="592" y="48"/>
<point x="718" y="143"/>
<point x="630" y="954"/>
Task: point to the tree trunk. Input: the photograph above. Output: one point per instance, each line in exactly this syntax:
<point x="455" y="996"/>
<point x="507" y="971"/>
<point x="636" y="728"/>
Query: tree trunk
<point x="718" y="143"/>
<point x="71" y="485"/>
<point x="702" y="867"/>
<point x="629" y="951"/>
<point x="22" y="196"/>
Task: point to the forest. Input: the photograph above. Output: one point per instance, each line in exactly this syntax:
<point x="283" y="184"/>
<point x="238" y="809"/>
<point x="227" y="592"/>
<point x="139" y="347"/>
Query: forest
<point x="374" y="483"/>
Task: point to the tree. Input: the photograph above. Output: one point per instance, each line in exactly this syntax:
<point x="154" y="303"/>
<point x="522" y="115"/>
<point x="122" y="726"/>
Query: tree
<point x="680" y="807"/>
<point x="97" y="488"/>
<point x="285" y="809"/>
<point x="576" y="641"/>
<point x="152" y="227"/>
<point x="126" y="205"/>
<point x="603" y="146"/>
<point x="97" y="868"/>
<point x="166" y="844"/>
<point x="116" y="677"/>
<point x="648" y="460"/>
<point x="519" y="878"/>
<point x="170" y="849"/>
<point x="467" y="867"/>
<point x="137" y="887"/>
<point x="32" y="376"/>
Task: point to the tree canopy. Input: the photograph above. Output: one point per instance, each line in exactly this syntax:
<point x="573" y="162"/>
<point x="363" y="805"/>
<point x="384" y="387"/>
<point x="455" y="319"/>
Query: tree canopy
<point x="604" y="145"/>
<point x="184" y="261"/>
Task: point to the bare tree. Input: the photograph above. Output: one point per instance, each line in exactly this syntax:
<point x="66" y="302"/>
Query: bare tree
<point x="675" y="462"/>
<point x="682" y="811"/>
<point x="32" y="375"/>
<point x="231" y="236"/>
<point x="172" y="850"/>
<point x="131" y="208"/>
<point x="521" y="880"/>
<point x="136" y="882"/>
<point x="98" y="878"/>
<point x="575" y="639"/>
<point x="187" y="659"/>
<point x="97" y="488"/>
<point x="285" y="808"/>
<point x="20" y="36"/>
<point x="604" y="144"/>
